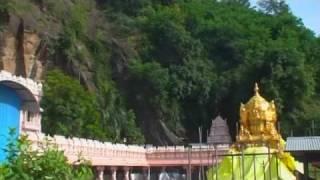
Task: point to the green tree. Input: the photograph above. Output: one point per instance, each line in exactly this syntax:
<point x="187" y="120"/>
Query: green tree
<point x="45" y="163"/>
<point x="69" y="109"/>
<point x="273" y="6"/>
<point x="240" y="2"/>
<point x="164" y="67"/>
<point x="214" y="56"/>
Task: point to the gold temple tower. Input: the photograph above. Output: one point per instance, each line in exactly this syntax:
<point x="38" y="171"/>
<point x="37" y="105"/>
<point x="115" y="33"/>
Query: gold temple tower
<point x="258" y="119"/>
<point x="258" y="150"/>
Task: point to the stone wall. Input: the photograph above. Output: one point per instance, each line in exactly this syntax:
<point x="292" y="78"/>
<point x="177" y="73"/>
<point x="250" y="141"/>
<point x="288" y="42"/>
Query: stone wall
<point x="21" y="50"/>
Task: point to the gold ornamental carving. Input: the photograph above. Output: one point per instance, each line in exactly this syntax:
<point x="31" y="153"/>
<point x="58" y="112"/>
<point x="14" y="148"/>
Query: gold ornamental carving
<point x="258" y="119"/>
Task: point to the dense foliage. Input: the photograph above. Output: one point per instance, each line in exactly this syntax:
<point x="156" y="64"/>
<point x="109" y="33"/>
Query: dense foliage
<point x="69" y="109"/>
<point x="46" y="163"/>
<point x="161" y="68"/>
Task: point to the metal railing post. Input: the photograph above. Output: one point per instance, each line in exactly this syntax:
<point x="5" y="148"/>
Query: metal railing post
<point x="216" y="160"/>
<point x="269" y="159"/>
<point x="232" y="166"/>
<point x="242" y="161"/>
<point x="254" y="167"/>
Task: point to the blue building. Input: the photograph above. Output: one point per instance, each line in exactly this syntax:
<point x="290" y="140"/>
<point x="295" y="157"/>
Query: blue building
<point x="19" y="107"/>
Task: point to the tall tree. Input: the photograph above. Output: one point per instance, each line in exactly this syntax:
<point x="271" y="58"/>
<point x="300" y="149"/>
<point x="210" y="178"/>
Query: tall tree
<point x="273" y="6"/>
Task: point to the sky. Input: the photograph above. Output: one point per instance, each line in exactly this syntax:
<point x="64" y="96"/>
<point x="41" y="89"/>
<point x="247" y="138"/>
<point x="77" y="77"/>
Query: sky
<point x="307" y="10"/>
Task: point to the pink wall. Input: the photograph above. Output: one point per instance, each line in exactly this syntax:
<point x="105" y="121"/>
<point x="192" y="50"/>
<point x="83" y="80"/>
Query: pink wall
<point x="108" y="154"/>
<point x="104" y="153"/>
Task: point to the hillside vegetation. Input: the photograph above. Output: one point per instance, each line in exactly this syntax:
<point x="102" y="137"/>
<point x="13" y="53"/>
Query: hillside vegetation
<point x="152" y="71"/>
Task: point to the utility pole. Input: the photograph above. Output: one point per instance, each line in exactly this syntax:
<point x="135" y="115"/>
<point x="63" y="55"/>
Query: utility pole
<point x="312" y="127"/>
<point x="201" y="173"/>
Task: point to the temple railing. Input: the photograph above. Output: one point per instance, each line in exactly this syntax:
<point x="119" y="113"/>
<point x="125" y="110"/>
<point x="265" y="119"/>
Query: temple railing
<point x="98" y="153"/>
<point x="196" y="156"/>
<point x="108" y="154"/>
<point x="30" y="122"/>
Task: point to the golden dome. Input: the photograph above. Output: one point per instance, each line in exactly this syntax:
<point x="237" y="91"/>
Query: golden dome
<point x="258" y="109"/>
<point x="258" y="120"/>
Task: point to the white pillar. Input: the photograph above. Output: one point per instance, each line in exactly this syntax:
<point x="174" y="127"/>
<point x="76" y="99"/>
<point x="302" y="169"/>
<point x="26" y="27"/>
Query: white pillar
<point x="146" y="173"/>
<point x="126" y="173"/>
<point x="100" y="173"/>
<point x="113" y="173"/>
<point x="188" y="170"/>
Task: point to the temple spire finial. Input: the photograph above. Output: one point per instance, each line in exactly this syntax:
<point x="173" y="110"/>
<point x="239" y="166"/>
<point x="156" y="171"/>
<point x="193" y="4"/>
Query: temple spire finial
<point x="258" y="121"/>
<point x="256" y="88"/>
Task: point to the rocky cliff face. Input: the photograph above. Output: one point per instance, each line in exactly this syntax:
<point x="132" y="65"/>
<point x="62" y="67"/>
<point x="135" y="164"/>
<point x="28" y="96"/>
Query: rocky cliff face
<point x="79" y="39"/>
<point x="21" y="50"/>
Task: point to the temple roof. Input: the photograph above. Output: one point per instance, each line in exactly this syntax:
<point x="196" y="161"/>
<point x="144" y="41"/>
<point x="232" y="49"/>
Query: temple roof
<point x="257" y="101"/>
<point x="308" y="143"/>
<point x="219" y="132"/>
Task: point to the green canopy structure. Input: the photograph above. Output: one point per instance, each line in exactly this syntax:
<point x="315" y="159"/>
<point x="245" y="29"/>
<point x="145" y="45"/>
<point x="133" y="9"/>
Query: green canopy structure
<point x="258" y="153"/>
<point x="256" y="163"/>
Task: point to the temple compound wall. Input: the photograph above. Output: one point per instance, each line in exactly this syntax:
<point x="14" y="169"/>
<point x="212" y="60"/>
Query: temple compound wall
<point x="29" y="93"/>
<point x="20" y="109"/>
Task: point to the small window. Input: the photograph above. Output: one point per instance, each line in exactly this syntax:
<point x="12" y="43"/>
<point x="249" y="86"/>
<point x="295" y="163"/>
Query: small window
<point x="29" y="116"/>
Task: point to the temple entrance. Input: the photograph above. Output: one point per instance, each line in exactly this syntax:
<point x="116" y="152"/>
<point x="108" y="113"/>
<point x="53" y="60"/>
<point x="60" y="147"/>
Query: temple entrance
<point x="19" y="108"/>
<point x="10" y="105"/>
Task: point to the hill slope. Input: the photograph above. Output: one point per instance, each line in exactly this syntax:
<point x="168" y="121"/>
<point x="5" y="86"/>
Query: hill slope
<point x="153" y="71"/>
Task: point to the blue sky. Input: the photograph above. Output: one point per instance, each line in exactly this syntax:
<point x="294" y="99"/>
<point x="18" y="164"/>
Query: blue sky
<point x="307" y="10"/>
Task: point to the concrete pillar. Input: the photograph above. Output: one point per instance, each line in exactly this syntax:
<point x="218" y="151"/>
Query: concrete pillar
<point x="146" y="173"/>
<point x="306" y="169"/>
<point x="188" y="170"/>
<point x="163" y="170"/>
<point x="100" y="172"/>
<point x="113" y="173"/>
<point x="126" y="171"/>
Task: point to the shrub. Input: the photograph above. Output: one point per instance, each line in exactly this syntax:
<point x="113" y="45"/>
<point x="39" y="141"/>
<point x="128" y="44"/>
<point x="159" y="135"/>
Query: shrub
<point x="45" y="163"/>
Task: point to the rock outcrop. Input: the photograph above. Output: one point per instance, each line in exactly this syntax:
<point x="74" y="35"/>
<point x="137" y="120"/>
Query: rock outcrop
<point x="21" y="50"/>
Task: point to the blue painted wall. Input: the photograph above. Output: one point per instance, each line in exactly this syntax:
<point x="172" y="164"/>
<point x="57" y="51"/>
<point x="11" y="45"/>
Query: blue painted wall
<point x="10" y="104"/>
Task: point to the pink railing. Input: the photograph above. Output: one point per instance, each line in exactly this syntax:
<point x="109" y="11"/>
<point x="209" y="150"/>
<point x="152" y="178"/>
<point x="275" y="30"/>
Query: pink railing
<point x="180" y="155"/>
<point x="33" y="124"/>
<point x="108" y="154"/>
